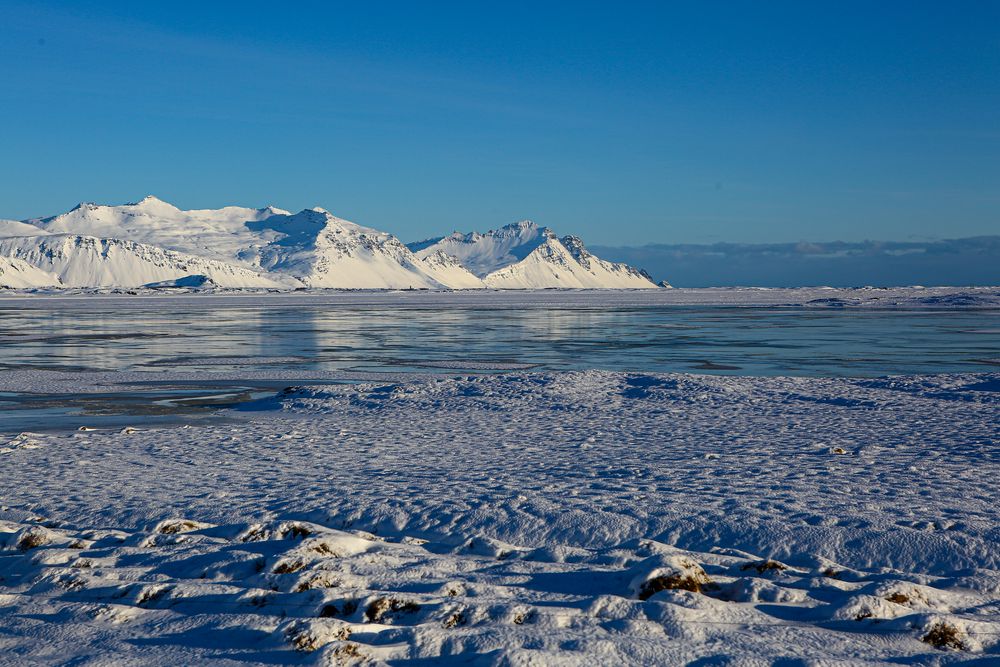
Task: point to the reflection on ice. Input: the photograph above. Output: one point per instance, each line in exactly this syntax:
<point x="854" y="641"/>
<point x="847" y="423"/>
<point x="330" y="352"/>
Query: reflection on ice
<point x="169" y="335"/>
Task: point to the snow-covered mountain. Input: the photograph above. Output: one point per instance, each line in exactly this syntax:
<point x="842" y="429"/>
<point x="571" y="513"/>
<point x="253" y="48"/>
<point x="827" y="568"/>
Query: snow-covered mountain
<point x="17" y="228"/>
<point x="87" y="261"/>
<point x="151" y="242"/>
<point x="447" y="270"/>
<point x="220" y="234"/>
<point x="323" y="250"/>
<point x="18" y="274"/>
<point x="485" y="253"/>
<point x="524" y="255"/>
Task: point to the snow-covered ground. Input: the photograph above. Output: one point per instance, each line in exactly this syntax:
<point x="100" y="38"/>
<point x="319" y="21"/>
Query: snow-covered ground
<point x="575" y="518"/>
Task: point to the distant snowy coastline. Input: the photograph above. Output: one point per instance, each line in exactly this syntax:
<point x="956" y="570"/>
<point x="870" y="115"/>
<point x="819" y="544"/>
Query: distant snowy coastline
<point x="891" y="298"/>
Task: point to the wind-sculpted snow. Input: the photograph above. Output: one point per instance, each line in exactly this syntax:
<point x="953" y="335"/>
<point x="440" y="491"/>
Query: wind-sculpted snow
<point x="530" y="518"/>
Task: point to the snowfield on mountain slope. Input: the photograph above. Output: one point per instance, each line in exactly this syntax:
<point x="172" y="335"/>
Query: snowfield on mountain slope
<point x="18" y="274"/>
<point x="532" y="518"/>
<point x="154" y="242"/>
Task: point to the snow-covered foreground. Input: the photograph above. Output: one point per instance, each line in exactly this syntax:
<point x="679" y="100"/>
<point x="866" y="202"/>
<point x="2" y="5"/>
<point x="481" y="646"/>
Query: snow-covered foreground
<point x="530" y="518"/>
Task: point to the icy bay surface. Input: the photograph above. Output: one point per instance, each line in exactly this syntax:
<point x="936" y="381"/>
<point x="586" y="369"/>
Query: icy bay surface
<point x="802" y="332"/>
<point x="528" y="518"/>
<point x="175" y="354"/>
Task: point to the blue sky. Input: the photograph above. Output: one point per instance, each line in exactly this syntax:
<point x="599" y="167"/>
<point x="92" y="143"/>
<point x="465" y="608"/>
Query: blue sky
<point x="626" y="123"/>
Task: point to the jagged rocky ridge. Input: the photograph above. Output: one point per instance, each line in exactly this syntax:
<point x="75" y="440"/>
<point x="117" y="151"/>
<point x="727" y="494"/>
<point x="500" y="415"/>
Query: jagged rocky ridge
<point x="155" y="244"/>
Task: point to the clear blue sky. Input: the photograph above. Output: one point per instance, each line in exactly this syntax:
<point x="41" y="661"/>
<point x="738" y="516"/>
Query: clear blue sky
<point x="623" y="122"/>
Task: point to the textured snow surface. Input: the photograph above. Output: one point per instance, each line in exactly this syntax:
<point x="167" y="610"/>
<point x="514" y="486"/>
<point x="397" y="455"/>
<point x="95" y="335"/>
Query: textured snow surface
<point x="531" y="518"/>
<point x="153" y="242"/>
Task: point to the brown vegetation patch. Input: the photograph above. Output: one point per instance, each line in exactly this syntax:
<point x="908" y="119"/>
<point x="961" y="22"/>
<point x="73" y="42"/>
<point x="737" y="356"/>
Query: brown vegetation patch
<point x="331" y="610"/>
<point x="295" y="531"/>
<point x="317" y="581"/>
<point x="306" y="640"/>
<point x="255" y="534"/>
<point x="456" y="619"/>
<point x="177" y="526"/>
<point x="765" y="566"/>
<point x="380" y="608"/>
<point x="288" y="566"/>
<point x="323" y="549"/>
<point x="348" y="651"/>
<point x="151" y="595"/>
<point x="944" y="636"/>
<point x="671" y="582"/>
<point x="521" y="618"/>
<point x="32" y="539"/>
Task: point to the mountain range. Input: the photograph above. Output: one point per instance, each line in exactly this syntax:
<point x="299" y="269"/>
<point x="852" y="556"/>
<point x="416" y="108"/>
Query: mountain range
<point x="154" y="244"/>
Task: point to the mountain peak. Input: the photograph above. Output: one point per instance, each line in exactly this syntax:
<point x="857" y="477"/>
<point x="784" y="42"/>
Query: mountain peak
<point x="520" y="225"/>
<point x="315" y="214"/>
<point x="85" y="206"/>
<point x="148" y="199"/>
<point x="151" y="203"/>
